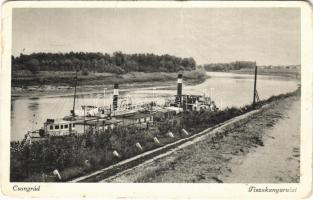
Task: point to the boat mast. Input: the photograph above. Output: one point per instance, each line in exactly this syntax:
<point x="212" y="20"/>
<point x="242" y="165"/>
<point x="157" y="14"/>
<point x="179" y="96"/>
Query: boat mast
<point x="75" y="94"/>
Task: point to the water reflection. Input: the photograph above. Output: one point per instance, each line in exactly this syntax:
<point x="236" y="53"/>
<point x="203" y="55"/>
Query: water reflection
<point x="12" y="108"/>
<point x="33" y="106"/>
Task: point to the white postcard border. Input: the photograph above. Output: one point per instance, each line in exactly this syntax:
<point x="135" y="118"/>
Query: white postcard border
<point x="195" y="190"/>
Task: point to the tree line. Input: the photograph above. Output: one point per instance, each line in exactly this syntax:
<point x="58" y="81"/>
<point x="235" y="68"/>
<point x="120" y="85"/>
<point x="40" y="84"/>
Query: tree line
<point x="229" y="66"/>
<point x="117" y="63"/>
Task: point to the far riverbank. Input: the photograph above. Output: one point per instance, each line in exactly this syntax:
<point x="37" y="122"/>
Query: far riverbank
<point x="97" y="82"/>
<point x="292" y="74"/>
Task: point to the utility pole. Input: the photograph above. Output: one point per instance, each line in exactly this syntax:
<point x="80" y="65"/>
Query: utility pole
<point x="75" y="94"/>
<point x="255" y="78"/>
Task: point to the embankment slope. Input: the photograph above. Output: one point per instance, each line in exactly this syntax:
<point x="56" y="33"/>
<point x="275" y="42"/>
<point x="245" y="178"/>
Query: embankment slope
<point x="263" y="148"/>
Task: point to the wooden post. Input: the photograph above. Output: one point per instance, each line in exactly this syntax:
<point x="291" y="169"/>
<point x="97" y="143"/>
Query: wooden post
<point x="255" y="78"/>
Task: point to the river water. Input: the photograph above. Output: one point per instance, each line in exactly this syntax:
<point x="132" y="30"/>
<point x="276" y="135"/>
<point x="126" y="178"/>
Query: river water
<point x="226" y="89"/>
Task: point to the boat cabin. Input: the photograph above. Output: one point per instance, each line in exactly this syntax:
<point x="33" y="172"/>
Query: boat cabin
<point x="142" y="120"/>
<point x="166" y="113"/>
<point x="194" y="102"/>
<point x="58" y="127"/>
<point x="95" y="125"/>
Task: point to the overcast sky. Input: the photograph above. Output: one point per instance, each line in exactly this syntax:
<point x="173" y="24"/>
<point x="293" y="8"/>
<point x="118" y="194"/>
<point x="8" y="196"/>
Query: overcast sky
<point x="209" y="35"/>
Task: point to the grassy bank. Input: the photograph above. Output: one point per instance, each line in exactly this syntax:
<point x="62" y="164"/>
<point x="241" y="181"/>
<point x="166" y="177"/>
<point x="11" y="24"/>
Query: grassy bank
<point x="53" y="78"/>
<point x="70" y="154"/>
<point x="53" y="83"/>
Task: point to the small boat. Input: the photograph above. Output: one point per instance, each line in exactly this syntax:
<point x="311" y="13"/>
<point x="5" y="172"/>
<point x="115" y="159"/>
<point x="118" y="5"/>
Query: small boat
<point x="52" y="128"/>
<point x="58" y="127"/>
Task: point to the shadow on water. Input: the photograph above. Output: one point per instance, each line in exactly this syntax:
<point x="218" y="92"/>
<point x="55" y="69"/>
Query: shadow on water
<point x="34" y="98"/>
<point x="34" y="104"/>
<point x="12" y="108"/>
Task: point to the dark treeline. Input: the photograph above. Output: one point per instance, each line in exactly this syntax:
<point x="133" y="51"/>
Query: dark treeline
<point x="98" y="62"/>
<point x="229" y="66"/>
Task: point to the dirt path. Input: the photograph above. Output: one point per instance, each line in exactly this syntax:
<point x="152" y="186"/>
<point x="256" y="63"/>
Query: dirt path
<point x="265" y="148"/>
<point x="278" y="160"/>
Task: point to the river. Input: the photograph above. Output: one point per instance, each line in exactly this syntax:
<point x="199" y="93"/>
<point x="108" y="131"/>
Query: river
<point x="226" y="89"/>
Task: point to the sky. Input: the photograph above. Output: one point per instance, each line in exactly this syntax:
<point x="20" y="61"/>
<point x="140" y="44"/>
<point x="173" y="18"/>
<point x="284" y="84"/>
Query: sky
<point x="269" y="36"/>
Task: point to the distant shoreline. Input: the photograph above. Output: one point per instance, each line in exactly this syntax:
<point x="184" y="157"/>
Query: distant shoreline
<point x="97" y="84"/>
<point x="290" y="74"/>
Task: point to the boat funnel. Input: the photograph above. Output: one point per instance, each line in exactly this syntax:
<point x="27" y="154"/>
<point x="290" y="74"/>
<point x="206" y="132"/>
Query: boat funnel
<point x="115" y="96"/>
<point x="179" y="88"/>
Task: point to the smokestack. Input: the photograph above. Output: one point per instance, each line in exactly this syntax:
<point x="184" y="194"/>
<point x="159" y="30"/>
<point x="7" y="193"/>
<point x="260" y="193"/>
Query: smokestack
<point x="115" y="96"/>
<point x="179" y="88"/>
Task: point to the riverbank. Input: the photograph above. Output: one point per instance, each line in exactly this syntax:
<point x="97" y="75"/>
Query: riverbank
<point x="64" y="83"/>
<point x="293" y="74"/>
<point x="265" y="148"/>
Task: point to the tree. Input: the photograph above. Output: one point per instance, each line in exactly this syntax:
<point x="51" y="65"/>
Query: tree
<point x="119" y="58"/>
<point x="116" y="63"/>
<point x="33" y="66"/>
